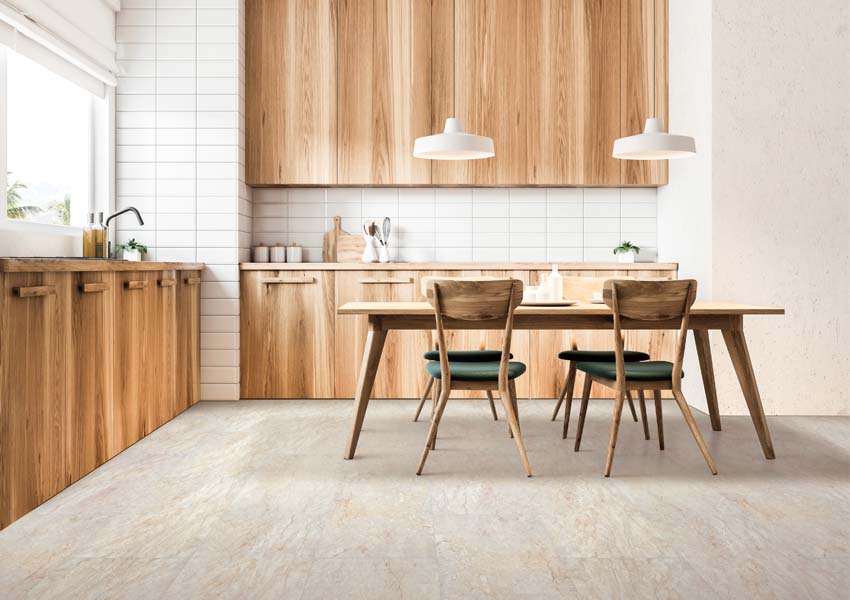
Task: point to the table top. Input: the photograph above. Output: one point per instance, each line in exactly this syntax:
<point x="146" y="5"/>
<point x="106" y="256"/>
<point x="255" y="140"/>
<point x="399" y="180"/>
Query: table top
<point x="581" y="309"/>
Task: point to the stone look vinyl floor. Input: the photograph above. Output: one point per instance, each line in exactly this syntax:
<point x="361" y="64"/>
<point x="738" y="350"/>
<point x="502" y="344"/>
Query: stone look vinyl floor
<point x="253" y="500"/>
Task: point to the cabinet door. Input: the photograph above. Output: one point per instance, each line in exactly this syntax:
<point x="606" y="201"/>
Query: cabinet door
<point x="291" y="133"/>
<point x="384" y="90"/>
<point x="486" y="41"/>
<point x="287" y="334"/>
<point x="188" y="376"/>
<point x="136" y="344"/>
<point x="35" y="331"/>
<point x="401" y="373"/>
<point x="573" y="91"/>
<point x="90" y="401"/>
<point x="162" y="388"/>
<point x="643" y="67"/>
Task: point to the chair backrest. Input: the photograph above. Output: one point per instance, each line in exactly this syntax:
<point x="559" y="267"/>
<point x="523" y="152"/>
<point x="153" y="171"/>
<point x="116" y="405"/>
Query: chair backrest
<point x="650" y="301"/>
<point x="482" y="300"/>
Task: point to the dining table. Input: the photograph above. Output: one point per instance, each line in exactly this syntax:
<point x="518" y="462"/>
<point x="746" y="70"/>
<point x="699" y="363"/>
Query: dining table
<point x="726" y="317"/>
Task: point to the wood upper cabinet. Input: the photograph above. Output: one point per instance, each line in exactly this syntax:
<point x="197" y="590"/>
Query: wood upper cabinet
<point x="188" y="381"/>
<point x="383" y="98"/>
<point x="401" y="373"/>
<point x="287" y="334"/>
<point x="643" y="60"/>
<point x="90" y="371"/>
<point x="291" y="87"/>
<point x="35" y="330"/>
<point x="572" y="97"/>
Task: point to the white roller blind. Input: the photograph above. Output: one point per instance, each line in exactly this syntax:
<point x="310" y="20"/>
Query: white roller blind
<point x="43" y="46"/>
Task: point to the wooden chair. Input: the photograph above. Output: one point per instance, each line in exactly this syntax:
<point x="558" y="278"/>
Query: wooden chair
<point x="492" y="300"/>
<point x="459" y="356"/>
<point x="667" y="302"/>
<point x="583" y="289"/>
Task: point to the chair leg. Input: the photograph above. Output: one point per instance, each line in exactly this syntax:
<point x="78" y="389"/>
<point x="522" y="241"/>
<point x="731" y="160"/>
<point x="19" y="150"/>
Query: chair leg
<point x="512" y="390"/>
<point x="425" y="393"/>
<point x="692" y="424"/>
<point x="582" y="413"/>
<point x="562" y="394"/>
<point x="642" y="403"/>
<point x="570" y="385"/>
<point x="509" y="403"/>
<point x="659" y="418"/>
<point x="631" y="405"/>
<point x="492" y="405"/>
<point x="432" y="431"/>
<point x="435" y="400"/>
<point x="615" y="428"/>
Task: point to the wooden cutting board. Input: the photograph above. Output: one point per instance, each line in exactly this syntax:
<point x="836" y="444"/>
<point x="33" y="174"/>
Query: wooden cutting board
<point x="341" y="246"/>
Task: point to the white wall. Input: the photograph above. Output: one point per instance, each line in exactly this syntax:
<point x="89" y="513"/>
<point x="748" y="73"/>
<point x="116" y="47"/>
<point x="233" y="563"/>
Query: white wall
<point x="780" y="187"/>
<point x="180" y="157"/>
<point x="463" y="224"/>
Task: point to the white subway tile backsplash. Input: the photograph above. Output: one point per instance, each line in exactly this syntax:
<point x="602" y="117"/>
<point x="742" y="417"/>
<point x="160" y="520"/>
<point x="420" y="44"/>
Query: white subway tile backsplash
<point x="165" y="51"/>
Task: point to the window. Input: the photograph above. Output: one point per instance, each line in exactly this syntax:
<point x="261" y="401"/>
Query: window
<point x="49" y="145"/>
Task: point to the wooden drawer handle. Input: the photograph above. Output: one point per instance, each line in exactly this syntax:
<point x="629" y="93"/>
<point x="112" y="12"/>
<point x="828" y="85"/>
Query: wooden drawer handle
<point x="388" y="280"/>
<point x="305" y="279"/>
<point x="135" y="285"/>
<point x="166" y="282"/>
<point x="193" y="281"/>
<point x="34" y="291"/>
<point x="92" y="288"/>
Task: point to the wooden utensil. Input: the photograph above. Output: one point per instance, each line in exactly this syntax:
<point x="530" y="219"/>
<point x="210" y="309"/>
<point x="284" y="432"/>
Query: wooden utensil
<point x="340" y="246"/>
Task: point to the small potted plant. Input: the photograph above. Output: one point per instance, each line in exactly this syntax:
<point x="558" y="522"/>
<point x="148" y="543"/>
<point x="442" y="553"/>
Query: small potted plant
<point x="132" y="250"/>
<point x="626" y="252"/>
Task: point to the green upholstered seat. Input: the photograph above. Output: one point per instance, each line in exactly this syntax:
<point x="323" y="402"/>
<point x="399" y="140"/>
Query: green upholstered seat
<point x="602" y="355"/>
<point x="467" y="355"/>
<point x="654" y="370"/>
<point x="475" y="371"/>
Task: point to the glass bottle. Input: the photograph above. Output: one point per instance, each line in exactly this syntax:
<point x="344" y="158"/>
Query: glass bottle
<point x="101" y="250"/>
<point x="89" y="239"/>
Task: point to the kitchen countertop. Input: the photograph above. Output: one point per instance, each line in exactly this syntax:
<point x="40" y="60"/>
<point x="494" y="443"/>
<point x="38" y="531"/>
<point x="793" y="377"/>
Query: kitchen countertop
<point x="444" y="266"/>
<point x="42" y="265"/>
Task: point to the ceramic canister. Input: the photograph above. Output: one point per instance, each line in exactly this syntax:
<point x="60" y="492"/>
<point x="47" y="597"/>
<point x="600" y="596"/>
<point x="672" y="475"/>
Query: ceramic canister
<point x="293" y="254"/>
<point x="261" y="254"/>
<point x="277" y="253"/>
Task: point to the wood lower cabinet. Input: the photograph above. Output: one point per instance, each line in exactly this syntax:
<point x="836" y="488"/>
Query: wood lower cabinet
<point x="287" y="334"/>
<point x="188" y="384"/>
<point x="161" y="398"/>
<point x="401" y="373"/>
<point x="90" y="373"/>
<point x="35" y="330"/>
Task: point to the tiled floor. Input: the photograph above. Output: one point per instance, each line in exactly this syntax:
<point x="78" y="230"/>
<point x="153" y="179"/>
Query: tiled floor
<point x="253" y="500"/>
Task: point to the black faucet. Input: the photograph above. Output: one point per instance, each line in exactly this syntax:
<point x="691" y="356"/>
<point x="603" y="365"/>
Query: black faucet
<point x="131" y="209"/>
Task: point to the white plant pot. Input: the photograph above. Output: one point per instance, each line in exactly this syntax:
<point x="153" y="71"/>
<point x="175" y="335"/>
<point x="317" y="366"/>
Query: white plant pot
<point x="626" y="257"/>
<point x="132" y="255"/>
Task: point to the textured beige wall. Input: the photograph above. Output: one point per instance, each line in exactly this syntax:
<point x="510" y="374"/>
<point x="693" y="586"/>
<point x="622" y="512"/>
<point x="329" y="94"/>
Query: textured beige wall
<point x="781" y="196"/>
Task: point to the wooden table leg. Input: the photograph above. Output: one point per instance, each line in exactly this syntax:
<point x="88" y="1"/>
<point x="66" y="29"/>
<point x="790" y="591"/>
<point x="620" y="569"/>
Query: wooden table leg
<point x="375" y="339"/>
<point x="706" y="367"/>
<point x="736" y="344"/>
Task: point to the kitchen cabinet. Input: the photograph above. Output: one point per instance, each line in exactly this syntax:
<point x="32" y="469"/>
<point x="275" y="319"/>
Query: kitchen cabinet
<point x="90" y="373"/>
<point x="643" y="85"/>
<point x="287" y="334"/>
<point x="136" y="344"/>
<point x="401" y="374"/>
<point x="35" y="330"/>
<point x="384" y="91"/>
<point x="188" y="360"/>
<point x="291" y="92"/>
<point x="161" y="398"/>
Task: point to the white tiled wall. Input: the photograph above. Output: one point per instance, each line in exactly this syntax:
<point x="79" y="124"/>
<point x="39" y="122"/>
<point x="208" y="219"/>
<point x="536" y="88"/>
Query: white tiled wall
<point x="180" y="156"/>
<point x="462" y="224"/>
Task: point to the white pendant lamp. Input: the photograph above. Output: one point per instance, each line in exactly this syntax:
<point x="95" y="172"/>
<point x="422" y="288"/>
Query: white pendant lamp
<point x="654" y="143"/>
<point x="453" y="143"/>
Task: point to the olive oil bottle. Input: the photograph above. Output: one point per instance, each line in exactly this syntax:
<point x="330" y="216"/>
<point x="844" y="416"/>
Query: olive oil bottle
<point x="94" y="238"/>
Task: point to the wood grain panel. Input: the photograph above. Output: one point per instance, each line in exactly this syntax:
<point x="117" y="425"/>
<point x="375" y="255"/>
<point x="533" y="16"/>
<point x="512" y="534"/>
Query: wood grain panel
<point x="291" y="112"/>
<point x="135" y="345"/>
<point x="401" y="373"/>
<point x="287" y="336"/>
<point x="34" y="333"/>
<point x="490" y="84"/>
<point x="573" y="91"/>
<point x="384" y="90"/>
<point x="90" y="400"/>
<point x="188" y="368"/>
<point x="162" y="379"/>
<point x="641" y="55"/>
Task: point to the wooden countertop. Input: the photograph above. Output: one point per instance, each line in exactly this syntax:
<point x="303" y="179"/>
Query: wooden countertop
<point x="41" y="265"/>
<point x="442" y="266"/>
